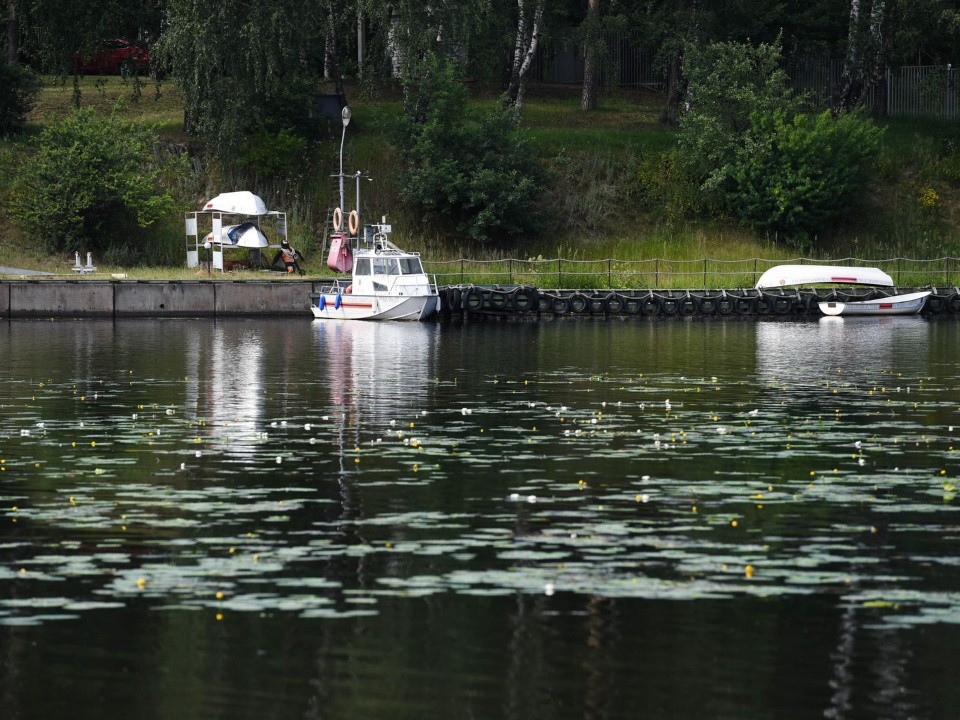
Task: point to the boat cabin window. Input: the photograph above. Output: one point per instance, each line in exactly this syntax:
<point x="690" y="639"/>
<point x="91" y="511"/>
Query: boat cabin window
<point x="411" y="266"/>
<point x="386" y="266"/>
<point x="363" y="267"/>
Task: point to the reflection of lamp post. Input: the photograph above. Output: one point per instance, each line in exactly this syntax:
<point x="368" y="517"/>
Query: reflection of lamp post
<point x="209" y="245"/>
<point x="345" y="117"/>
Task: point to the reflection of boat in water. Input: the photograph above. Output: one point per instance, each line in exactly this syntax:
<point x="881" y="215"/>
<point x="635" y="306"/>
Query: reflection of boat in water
<point x="378" y="370"/>
<point x="908" y="304"/>
<point x="811" y="351"/>
<point x="792" y="275"/>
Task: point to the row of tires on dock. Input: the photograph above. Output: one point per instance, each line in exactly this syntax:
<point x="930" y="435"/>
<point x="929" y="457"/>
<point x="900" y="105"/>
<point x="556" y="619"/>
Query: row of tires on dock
<point x="524" y="299"/>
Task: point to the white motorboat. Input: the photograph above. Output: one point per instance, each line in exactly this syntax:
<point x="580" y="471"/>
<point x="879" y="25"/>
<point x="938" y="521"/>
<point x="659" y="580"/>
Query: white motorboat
<point x="907" y="304"/>
<point x="387" y="283"/>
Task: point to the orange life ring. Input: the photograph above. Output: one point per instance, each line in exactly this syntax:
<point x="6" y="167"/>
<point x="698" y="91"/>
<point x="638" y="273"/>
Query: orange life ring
<point x="354" y="222"/>
<point x="337" y="219"/>
<point x="349" y="289"/>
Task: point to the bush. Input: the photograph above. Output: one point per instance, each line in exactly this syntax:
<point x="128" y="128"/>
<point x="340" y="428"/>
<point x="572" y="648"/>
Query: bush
<point x="19" y="87"/>
<point x="92" y="185"/>
<point x="754" y="154"/>
<point x="472" y="167"/>
<point x="794" y="176"/>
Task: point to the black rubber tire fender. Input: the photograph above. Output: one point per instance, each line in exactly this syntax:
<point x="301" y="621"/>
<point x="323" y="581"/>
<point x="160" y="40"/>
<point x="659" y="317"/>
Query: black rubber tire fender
<point x="631" y="305"/>
<point x="650" y="306"/>
<point x="500" y="300"/>
<point x="616" y="303"/>
<point x="597" y="304"/>
<point x="953" y="303"/>
<point x="763" y="304"/>
<point x="783" y="304"/>
<point x="743" y="305"/>
<point x="525" y="299"/>
<point x="726" y="305"/>
<point x="708" y="304"/>
<point x="936" y="304"/>
<point x="669" y="306"/>
<point x="473" y="299"/>
<point x="579" y="303"/>
<point x="559" y="305"/>
<point x="687" y="306"/>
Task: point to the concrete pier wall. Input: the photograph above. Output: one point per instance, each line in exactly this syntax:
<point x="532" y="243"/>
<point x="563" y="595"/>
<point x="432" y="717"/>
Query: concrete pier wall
<point x="131" y="298"/>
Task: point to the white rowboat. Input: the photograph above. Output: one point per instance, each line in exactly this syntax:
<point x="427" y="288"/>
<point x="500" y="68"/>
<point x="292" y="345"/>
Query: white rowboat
<point x="789" y="275"/>
<point x="908" y="304"/>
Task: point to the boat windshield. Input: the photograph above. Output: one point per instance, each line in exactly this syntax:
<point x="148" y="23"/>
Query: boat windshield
<point x="411" y="266"/>
<point x="386" y="266"/>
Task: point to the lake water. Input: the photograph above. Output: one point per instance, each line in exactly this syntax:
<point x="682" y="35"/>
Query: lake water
<point x="291" y="519"/>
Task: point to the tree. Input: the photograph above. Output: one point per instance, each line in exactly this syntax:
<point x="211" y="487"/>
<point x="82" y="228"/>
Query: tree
<point x="470" y="167"/>
<point x="591" y="56"/>
<point x="525" y="49"/>
<point x="13" y="32"/>
<point x="92" y="180"/>
<point x="241" y="64"/>
<point x="751" y="151"/>
<point x="868" y="49"/>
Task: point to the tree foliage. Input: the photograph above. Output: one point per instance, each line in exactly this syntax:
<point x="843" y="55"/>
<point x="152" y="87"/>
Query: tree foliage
<point x="752" y="152"/>
<point x="240" y="64"/>
<point x="471" y="167"/>
<point x="93" y="180"/>
<point x="19" y="87"/>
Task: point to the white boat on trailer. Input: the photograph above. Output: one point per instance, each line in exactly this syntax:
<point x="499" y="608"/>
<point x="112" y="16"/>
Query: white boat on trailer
<point x="387" y="283"/>
<point x="782" y="276"/>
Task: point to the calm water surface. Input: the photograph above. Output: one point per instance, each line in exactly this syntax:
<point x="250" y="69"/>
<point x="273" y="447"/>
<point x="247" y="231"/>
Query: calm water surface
<point x="286" y="519"/>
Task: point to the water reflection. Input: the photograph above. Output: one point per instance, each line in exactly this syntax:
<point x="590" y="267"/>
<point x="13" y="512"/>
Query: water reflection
<point x="807" y="351"/>
<point x="581" y="515"/>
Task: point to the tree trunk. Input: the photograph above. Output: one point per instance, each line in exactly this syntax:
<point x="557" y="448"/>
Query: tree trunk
<point x="851" y="80"/>
<point x="13" y="32"/>
<point x="528" y="37"/>
<point x="591" y="59"/>
<point x="881" y="28"/>
<point x="332" y="59"/>
<point x="676" y="90"/>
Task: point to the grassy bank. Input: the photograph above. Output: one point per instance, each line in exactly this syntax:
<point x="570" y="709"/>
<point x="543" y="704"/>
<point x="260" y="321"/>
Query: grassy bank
<point x="912" y="208"/>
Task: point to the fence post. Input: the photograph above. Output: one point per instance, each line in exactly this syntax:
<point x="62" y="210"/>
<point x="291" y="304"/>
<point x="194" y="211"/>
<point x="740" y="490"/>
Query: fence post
<point x="704" y="273"/>
<point x="656" y="275"/>
<point x="461" y="271"/>
<point x="899" y="263"/>
<point x="609" y="274"/>
<point x="559" y="275"/>
<point x="755" y="271"/>
<point x="510" y="271"/>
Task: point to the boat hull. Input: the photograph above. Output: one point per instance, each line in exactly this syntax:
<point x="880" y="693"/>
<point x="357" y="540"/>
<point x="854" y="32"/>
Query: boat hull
<point x="909" y="304"/>
<point x="374" y="307"/>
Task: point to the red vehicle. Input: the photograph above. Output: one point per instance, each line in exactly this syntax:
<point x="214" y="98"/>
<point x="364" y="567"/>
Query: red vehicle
<point x="115" y="57"/>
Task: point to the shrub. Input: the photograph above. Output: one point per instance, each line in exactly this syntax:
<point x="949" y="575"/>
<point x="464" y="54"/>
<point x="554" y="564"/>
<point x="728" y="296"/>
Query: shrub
<point x="472" y="167"/>
<point x="92" y="184"/>
<point x="794" y="176"/>
<point x="755" y="155"/>
<point x="19" y="87"/>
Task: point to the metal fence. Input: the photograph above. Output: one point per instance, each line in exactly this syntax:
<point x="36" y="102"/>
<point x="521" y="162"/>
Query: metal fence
<point x="628" y="63"/>
<point x="929" y="90"/>
<point x="660" y="273"/>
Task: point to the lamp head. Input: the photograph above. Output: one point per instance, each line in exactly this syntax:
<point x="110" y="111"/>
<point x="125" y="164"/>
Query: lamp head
<point x="345" y="115"/>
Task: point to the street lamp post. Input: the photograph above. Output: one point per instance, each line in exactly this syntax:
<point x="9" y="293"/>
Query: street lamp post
<point x="345" y="118"/>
